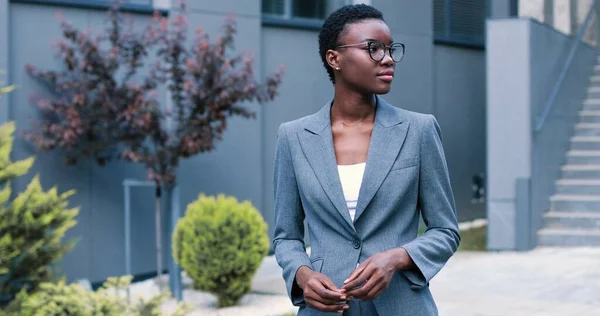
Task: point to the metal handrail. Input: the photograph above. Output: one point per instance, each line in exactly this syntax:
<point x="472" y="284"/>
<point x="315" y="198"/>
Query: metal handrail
<point x="565" y="69"/>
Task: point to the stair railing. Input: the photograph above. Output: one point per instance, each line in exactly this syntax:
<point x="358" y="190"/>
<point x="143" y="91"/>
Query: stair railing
<point x="565" y="69"/>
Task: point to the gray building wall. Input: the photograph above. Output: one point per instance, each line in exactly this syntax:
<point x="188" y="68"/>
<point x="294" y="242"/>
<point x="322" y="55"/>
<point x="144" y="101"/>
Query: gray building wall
<point x="448" y="82"/>
<point x="234" y="169"/>
<point x="524" y="59"/>
<point x="411" y="23"/>
<point x="459" y="77"/>
<point x="99" y="252"/>
<point x="4" y="33"/>
<point x="502" y="8"/>
<point x="431" y="79"/>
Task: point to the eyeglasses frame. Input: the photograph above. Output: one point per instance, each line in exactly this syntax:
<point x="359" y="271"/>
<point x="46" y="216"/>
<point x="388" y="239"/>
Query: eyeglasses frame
<point x="387" y="48"/>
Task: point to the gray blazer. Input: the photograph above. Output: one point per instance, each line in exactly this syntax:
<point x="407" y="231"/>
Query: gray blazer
<point x="405" y="173"/>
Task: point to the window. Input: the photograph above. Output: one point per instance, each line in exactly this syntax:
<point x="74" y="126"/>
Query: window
<point x="460" y="21"/>
<point x="138" y="6"/>
<point x="302" y="13"/>
<point x="286" y="9"/>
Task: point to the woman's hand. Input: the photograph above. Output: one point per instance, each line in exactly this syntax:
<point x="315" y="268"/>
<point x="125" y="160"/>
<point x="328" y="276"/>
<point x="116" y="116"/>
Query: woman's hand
<point x="320" y="292"/>
<point x="376" y="273"/>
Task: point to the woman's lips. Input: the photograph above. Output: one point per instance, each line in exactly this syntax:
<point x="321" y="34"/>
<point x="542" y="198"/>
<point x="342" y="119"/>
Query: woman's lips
<point x="386" y="78"/>
<point x="386" y="75"/>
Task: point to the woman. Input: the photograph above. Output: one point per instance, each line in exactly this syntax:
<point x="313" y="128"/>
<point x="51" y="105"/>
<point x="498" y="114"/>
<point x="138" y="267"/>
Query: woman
<point x="360" y="172"/>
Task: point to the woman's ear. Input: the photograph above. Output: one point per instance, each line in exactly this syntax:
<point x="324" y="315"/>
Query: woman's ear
<point x="332" y="58"/>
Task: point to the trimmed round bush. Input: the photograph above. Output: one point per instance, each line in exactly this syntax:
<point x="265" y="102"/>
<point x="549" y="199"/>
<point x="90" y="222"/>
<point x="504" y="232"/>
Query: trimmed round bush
<point x="220" y="243"/>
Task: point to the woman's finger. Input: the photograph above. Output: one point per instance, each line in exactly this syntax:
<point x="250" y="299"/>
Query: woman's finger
<point x="357" y="272"/>
<point x="359" y="279"/>
<point x="362" y="291"/>
<point x="328" y="308"/>
<point x="375" y="291"/>
<point x="318" y="292"/>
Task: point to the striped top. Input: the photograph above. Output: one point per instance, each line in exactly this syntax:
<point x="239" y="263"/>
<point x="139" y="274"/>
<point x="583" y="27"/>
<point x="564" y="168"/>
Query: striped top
<point x="351" y="179"/>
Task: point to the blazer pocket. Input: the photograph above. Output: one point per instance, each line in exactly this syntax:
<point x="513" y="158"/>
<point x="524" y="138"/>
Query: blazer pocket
<point x="405" y="163"/>
<point x="317" y="264"/>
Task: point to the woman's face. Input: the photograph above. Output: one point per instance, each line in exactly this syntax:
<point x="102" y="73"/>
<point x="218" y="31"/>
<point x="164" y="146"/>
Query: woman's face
<point x="358" y="70"/>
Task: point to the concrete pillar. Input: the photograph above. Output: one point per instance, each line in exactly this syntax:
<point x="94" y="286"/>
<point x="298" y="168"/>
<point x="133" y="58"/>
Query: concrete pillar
<point x="563" y="16"/>
<point x="549" y="12"/>
<point x="508" y="125"/>
<point x="574" y="16"/>
<point x="532" y="8"/>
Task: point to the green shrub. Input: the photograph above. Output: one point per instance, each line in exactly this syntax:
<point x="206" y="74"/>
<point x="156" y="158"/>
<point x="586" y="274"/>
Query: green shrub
<point x="58" y="299"/>
<point x="220" y="244"/>
<point x="31" y="227"/>
<point x="52" y="299"/>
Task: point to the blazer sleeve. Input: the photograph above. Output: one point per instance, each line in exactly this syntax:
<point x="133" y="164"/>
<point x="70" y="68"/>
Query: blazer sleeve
<point x="288" y="242"/>
<point x="433" y="249"/>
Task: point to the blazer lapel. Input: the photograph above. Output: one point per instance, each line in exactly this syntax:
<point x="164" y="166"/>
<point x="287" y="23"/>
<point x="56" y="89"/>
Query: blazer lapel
<point x="389" y="132"/>
<point x="317" y="144"/>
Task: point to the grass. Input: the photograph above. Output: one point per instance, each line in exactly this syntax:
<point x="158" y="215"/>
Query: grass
<point x="474" y="239"/>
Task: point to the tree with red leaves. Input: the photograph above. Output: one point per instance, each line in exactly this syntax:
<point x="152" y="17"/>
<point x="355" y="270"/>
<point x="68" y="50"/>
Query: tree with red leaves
<point x="106" y="104"/>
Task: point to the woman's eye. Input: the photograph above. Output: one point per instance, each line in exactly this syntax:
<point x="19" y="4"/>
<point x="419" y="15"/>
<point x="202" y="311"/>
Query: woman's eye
<point x="374" y="48"/>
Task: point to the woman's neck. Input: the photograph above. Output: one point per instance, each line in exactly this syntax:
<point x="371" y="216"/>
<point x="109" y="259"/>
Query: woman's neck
<point x="350" y="107"/>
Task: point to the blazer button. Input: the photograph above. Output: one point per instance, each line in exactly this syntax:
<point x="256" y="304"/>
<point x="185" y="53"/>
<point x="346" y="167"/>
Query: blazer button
<point x="356" y="244"/>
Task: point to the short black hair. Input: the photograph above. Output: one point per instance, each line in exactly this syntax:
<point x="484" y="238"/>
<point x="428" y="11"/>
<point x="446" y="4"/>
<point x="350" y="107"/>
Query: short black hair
<point x="336" y="23"/>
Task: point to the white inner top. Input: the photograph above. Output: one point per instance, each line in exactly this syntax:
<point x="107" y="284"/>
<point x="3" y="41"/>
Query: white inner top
<point x="351" y="179"/>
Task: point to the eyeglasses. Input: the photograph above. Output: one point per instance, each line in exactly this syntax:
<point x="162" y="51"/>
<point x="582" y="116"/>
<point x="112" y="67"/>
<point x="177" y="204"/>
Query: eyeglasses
<point x="377" y="50"/>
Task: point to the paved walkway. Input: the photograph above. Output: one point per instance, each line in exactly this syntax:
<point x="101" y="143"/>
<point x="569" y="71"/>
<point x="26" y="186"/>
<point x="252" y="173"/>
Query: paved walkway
<point x="545" y="281"/>
<point x="542" y="282"/>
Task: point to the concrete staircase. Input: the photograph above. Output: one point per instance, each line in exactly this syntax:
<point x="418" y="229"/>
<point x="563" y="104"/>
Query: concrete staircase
<point x="574" y="216"/>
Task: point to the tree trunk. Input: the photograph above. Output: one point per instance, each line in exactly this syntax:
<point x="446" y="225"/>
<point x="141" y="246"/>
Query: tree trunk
<point x="158" y="226"/>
